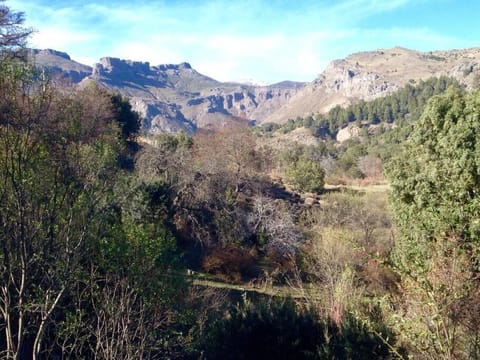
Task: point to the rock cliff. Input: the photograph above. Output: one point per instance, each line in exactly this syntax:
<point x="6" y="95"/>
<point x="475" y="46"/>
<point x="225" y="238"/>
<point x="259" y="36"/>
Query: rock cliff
<point x="177" y="97"/>
<point x="371" y="74"/>
<point x="174" y="97"/>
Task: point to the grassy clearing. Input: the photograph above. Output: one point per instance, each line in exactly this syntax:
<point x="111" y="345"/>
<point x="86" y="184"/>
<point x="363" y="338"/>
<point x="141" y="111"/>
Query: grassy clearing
<point x="369" y="188"/>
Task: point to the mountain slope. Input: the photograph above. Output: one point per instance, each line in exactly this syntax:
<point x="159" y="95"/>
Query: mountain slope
<point x="372" y="74"/>
<point x="174" y="97"/>
<point x="60" y="64"/>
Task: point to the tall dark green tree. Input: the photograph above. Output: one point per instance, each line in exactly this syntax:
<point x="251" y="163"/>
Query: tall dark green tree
<point x="436" y="179"/>
<point x="435" y="196"/>
<point x="128" y="120"/>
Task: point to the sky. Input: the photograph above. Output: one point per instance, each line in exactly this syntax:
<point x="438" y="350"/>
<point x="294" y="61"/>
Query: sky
<point x="265" y="41"/>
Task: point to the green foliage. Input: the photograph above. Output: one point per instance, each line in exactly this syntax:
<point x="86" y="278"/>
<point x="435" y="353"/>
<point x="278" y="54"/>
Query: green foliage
<point x="172" y="143"/>
<point x="278" y="330"/>
<point x="305" y="175"/>
<point x="347" y="162"/>
<point x="128" y="120"/>
<point x="436" y="178"/>
<point x="266" y="129"/>
<point x="435" y="183"/>
<point x="55" y="170"/>
<point x="406" y="103"/>
<point x="401" y="108"/>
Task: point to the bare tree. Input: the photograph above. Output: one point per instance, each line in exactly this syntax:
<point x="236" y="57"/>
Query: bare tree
<point x="331" y="288"/>
<point x="272" y="219"/>
<point x="371" y="166"/>
<point x="120" y="330"/>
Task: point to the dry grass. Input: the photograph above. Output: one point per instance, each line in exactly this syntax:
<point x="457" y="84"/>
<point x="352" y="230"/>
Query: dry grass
<point x="359" y="185"/>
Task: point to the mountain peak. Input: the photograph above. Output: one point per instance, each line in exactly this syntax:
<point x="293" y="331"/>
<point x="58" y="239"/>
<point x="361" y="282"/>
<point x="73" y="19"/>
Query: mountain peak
<point x="370" y="74"/>
<point x="50" y="52"/>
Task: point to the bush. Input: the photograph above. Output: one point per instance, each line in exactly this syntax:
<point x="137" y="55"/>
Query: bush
<point x="278" y="330"/>
<point x="305" y="175"/>
<point x="230" y="262"/>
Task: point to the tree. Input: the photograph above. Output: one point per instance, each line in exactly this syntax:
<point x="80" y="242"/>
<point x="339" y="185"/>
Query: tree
<point x="57" y="162"/>
<point x="128" y="120"/>
<point x="12" y="33"/>
<point x="370" y="166"/>
<point x="275" y="227"/>
<point x="305" y="175"/>
<point x="435" y="196"/>
<point x="436" y="179"/>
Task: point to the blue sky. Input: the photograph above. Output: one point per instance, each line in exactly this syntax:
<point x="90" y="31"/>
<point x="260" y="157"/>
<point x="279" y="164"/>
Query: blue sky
<point x="264" y="40"/>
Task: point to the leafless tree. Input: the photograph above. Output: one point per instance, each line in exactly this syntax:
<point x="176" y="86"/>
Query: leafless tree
<point x="330" y="287"/>
<point x="272" y="218"/>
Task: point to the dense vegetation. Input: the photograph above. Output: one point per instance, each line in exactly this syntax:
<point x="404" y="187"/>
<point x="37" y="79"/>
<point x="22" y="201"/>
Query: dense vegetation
<point x="408" y="102"/>
<point x="187" y="248"/>
<point x="383" y="124"/>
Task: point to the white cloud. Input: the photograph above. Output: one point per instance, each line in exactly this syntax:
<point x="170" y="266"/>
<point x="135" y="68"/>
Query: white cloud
<point x="59" y="37"/>
<point x="266" y="40"/>
<point x="244" y="46"/>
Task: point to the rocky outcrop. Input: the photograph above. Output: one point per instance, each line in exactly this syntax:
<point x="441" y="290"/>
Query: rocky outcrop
<point x="176" y="97"/>
<point x="372" y="74"/>
<point x="59" y="65"/>
<point x="109" y="66"/>
<point x="351" y="81"/>
<point x="161" y="117"/>
<point x="173" y="97"/>
<point x="352" y="131"/>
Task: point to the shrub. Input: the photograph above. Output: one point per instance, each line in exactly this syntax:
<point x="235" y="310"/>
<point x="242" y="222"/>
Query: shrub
<point x="305" y="175"/>
<point x="278" y="330"/>
<point x="230" y="262"/>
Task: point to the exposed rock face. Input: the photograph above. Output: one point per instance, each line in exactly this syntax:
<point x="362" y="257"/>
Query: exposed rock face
<point x="176" y="97"/>
<point x="60" y="64"/>
<point x="171" y="97"/>
<point x="113" y="66"/>
<point x="352" y="131"/>
<point x="161" y="117"/>
<point x="372" y="74"/>
<point x="351" y="81"/>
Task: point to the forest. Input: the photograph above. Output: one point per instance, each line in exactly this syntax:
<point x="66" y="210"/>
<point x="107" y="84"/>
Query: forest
<point x="218" y="246"/>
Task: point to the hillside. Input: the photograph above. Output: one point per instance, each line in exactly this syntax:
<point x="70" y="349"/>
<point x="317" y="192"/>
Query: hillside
<point x="371" y="74"/>
<point x="173" y="97"/>
<point x="177" y="97"/>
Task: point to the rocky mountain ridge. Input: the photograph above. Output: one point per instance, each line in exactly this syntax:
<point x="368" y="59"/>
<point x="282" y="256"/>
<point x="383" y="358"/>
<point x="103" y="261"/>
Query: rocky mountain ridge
<point x="172" y="97"/>
<point x="177" y="97"/>
<point x="372" y="74"/>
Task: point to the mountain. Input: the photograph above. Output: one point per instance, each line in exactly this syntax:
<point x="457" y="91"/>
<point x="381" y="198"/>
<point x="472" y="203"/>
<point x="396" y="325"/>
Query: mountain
<point x="173" y="97"/>
<point x="177" y="97"/>
<point x="60" y="64"/>
<point x="372" y="74"/>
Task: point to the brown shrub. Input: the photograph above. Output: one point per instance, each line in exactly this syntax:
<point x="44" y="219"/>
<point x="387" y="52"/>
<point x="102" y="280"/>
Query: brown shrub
<point x="229" y="262"/>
